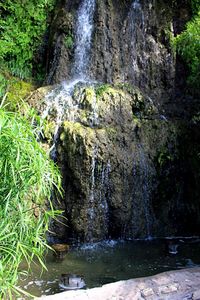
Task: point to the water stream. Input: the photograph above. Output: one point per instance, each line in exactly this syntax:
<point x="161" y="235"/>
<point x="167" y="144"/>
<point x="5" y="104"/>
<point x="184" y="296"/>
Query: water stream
<point x="142" y="190"/>
<point x="60" y="102"/>
<point x="84" y="29"/>
<point x="136" y="30"/>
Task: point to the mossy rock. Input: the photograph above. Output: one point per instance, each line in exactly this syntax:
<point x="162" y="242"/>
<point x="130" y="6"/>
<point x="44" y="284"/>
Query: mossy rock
<point x="17" y="92"/>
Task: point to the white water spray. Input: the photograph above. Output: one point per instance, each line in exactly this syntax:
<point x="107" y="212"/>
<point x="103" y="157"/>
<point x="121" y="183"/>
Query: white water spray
<point x="60" y="102"/>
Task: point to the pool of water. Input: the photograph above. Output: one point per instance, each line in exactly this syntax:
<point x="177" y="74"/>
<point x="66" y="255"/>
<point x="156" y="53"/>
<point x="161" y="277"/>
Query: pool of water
<point x="111" y="261"/>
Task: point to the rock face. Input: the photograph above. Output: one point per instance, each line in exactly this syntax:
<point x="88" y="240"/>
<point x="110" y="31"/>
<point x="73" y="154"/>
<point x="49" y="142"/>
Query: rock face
<point x="131" y="43"/>
<point x="118" y="157"/>
<point x="119" y="153"/>
<point x="108" y="164"/>
<point x="174" y="285"/>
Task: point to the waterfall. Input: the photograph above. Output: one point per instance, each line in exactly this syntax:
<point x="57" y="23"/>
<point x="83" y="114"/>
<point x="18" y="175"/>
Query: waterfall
<point x="104" y="194"/>
<point x="98" y="197"/>
<point x="136" y="33"/>
<point x="60" y="101"/>
<point x="84" y="29"/>
<point x="142" y="178"/>
<point x="91" y="203"/>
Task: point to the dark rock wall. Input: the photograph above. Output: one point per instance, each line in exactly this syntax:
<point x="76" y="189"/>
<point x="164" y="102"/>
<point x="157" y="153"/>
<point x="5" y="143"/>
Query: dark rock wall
<point x="131" y="174"/>
<point x="130" y="44"/>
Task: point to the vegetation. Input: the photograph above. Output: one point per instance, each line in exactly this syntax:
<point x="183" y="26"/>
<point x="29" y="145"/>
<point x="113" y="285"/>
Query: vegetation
<point x="22" y="25"/>
<point x="69" y="41"/>
<point x="26" y="180"/>
<point x="27" y="175"/>
<point x="188" y="45"/>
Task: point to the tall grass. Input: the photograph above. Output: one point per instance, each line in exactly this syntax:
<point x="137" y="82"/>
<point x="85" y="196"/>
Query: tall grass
<point x="27" y="177"/>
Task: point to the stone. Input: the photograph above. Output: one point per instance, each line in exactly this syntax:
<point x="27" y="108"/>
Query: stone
<point x="170" y="288"/>
<point x="147" y="292"/>
<point x="106" y="155"/>
<point x="60" y="250"/>
<point x="196" y="295"/>
<point x="129" y="289"/>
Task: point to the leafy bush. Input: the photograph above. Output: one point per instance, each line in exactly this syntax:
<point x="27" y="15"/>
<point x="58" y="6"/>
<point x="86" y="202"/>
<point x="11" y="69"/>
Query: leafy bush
<point x="188" y="45"/>
<point x="22" y="25"/>
<point x="27" y="177"/>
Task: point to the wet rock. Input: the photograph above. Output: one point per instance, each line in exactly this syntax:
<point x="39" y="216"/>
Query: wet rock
<point x="60" y="250"/>
<point x="107" y="161"/>
<point x="148" y="62"/>
<point x="118" y="156"/>
<point x="114" y="150"/>
<point x="149" y="288"/>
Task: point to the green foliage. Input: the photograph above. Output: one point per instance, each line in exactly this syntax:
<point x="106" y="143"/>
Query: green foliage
<point x="27" y="177"/>
<point x="101" y="89"/>
<point x="69" y="42"/>
<point x="3" y="85"/>
<point x="22" y="25"/>
<point x="188" y="45"/>
<point x="196" y="118"/>
<point x="164" y="156"/>
<point x="195" y="6"/>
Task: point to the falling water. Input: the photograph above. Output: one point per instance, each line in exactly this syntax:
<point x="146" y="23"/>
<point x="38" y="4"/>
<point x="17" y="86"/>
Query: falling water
<point x="104" y="192"/>
<point x="91" y="205"/>
<point x="142" y="174"/>
<point x="98" y="197"/>
<point x="136" y="30"/>
<point x="84" y="29"/>
<point x="60" y="101"/>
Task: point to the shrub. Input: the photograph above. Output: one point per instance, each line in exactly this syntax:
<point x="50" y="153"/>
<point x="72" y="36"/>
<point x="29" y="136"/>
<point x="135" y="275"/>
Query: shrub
<point x="27" y="177"/>
<point x="188" y="45"/>
<point x="22" y="25"/>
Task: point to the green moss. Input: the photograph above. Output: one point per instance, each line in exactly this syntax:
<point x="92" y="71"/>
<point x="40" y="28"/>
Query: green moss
<point x="196" y="118"/>
<point x="16" y="93"/>
<point x="101" y="89"/>
<point x="90" y="94"/>
<point x="164" y="156"/>
<point x="49" y="129"/>
<point x="77" y="129"/>
<point x="111" y="132"/>
<point x="137" y="121"/>
<point x="75" y="135"/>
<point x="106" y="89"/>
<point x="69" y="41"/>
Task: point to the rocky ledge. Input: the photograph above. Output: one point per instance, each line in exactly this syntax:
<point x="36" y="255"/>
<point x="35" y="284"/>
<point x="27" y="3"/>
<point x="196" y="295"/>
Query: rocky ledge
<point x="173" y="285"/>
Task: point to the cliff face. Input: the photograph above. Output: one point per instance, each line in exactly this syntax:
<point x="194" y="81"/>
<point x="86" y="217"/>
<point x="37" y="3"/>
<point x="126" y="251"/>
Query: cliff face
<point x="131" y="43"/>
<point x="120" y="146"/>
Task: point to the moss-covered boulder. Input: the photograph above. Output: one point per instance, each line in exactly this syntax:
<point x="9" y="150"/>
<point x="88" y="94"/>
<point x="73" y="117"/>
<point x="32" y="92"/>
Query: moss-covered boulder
<point x="123" y="163"/>
<point x="107" y="155"/>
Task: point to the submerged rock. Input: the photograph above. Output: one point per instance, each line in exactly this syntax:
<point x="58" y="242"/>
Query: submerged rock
<point x="60" y="250"/>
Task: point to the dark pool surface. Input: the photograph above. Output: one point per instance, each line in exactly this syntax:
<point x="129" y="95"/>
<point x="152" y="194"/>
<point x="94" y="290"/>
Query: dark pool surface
<point x="111" y="261"/>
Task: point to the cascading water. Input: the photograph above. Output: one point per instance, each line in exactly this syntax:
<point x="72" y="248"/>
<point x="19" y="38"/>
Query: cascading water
<point x="91" y="205"/>
<point x="98" y="197"/>
<point x="63" y="105"/>
<point x="60" y="101"/>
<point x="84" y="29"/>
<point x="137" y="33"/>
<point x="142" y="177"/>
<point x="104" y="193"/>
